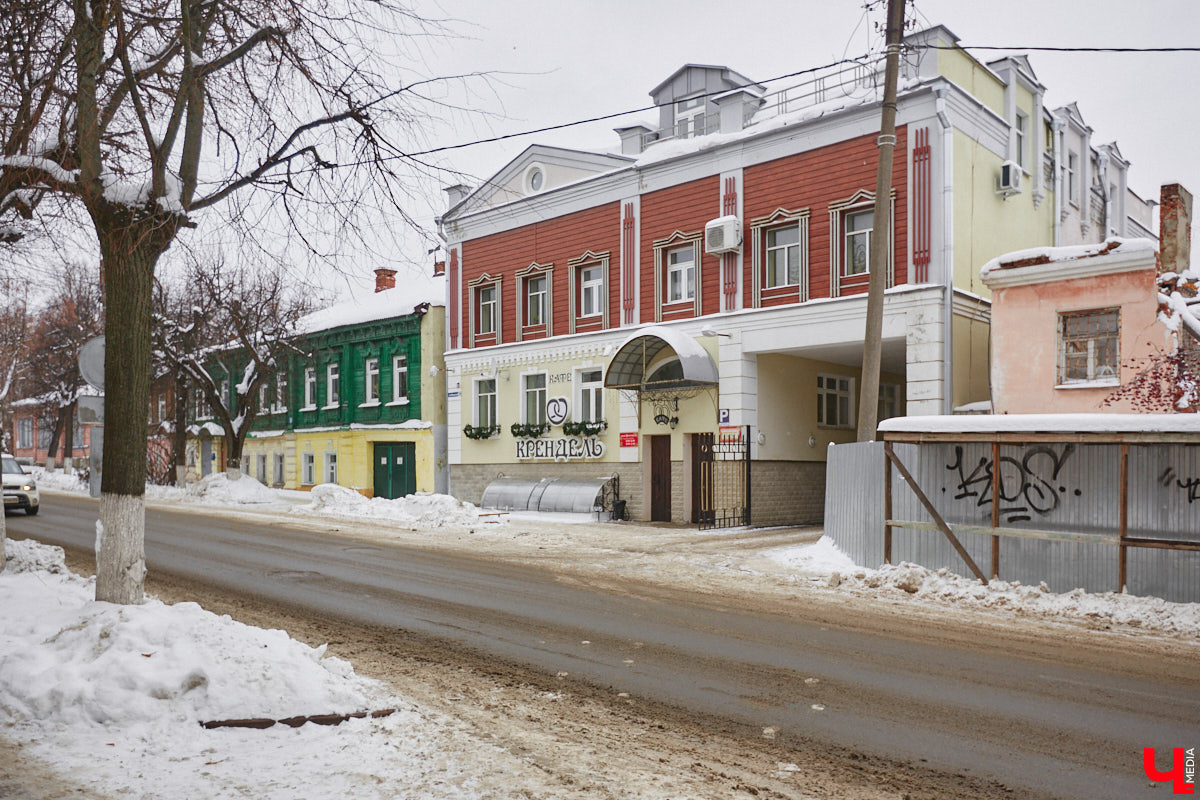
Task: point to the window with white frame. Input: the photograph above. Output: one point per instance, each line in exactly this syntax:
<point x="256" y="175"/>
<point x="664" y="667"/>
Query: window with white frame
<point x="485" y="403"/>
<point x="225" y="393"/>
<point x="279" y="469"/>
<point x="835" y="401"/>
<point x="310" y="387"/>
<point x="162" y="407"/>
<point x="1089" y="346"/>
<point x="333" y="383"/>
<point x="45" y="431"/>
<point x="308" y="468"/>
<point x="591" y="396"/>
<point x="281" y="387"/>
<point x="399" y="379"/>
<point x="330" y="466"/>
<point x="534" y="390"/>
<point x="262" y="468"/>
<point x="25" y="432"/>
<point x="264" y="397"/>
<point x="783" y="256"/>
<point x="1073" y="178"/>
<point x="1021" y="136"/>
<point x="891" y="398"/>
<point x="371" y="381"/>
<point x="535" y="300"/>
<point x="591" y="291"/>
<point x="689" y="117"/>
<point x="486" y="322"/>
<point x="681" y="274"/>
<point x="856" y="230"/>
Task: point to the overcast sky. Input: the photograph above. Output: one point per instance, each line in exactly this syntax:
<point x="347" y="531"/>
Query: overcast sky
<point x="563" y="61"/>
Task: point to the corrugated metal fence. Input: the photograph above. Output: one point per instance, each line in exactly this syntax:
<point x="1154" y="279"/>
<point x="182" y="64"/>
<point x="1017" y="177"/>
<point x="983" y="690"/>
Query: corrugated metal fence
<point x="1045" y="489"/>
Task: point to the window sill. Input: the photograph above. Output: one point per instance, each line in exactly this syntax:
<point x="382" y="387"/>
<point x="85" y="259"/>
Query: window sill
<point x="369" y="404"/>
<point x="685" y="301"/>
<point x="825" y="427"/>
<point x="403" y="402"/>
<point x="331" y="407"/>
<point x="309" y="408"/>
<point x="1104" y="383"/>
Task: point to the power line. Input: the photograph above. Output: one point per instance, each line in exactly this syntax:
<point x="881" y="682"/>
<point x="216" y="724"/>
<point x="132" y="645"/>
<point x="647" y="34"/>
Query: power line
<point x="1062" y="49"/>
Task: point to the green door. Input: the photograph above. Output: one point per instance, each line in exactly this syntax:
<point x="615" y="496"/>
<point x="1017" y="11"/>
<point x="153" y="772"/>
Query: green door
<point x="395" y="469"/>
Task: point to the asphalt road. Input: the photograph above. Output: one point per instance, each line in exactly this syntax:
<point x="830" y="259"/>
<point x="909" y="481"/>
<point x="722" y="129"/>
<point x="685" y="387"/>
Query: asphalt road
<point x="1039" y="726"/>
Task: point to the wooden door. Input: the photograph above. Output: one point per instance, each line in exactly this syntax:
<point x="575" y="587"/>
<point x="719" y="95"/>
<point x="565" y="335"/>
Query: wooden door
<point x="660" y="478"/>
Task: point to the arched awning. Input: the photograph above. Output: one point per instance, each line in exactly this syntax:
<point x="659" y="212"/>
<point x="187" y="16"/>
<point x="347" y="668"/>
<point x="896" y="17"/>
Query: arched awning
<point x="628" y="368"/>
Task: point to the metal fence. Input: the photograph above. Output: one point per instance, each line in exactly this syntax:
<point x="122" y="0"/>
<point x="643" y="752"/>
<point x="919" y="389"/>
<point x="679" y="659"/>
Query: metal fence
<point x="1070" y="514"/>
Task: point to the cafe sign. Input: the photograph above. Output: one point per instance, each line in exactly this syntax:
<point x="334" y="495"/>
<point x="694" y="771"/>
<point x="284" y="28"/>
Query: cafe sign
<point x="560" y="449"/>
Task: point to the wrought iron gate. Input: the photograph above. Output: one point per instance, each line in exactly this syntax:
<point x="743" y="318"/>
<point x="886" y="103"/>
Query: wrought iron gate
<point x="721" y="479"/>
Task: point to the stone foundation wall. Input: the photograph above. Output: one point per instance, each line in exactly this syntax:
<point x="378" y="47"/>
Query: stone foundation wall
<point x="787" y="493"/>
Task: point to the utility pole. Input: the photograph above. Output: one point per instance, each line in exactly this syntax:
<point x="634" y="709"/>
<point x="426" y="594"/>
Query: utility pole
<point x="868" y="398"/>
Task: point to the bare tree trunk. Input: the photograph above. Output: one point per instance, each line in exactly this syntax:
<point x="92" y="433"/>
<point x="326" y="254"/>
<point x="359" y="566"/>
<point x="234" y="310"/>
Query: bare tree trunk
<point x="52" y="452"/>
<point x="120" y="543"/>
<point x="179" y="434"/>
<point x="881" y="233"/>
<point x="3" y="538"/>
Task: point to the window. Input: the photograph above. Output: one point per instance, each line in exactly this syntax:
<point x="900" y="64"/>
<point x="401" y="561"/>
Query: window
<point x="264" y="397"/>
<point x="262" y="468"/>
<point x="162" y="407"/>
<point x="487" y="310"/>
<point x="1073" y="178"/>
<point x="25" y="432"/>
<point x="535" y="300"/>
<point x="308" y="468"/>
<point x="783" y="256"/>
<point x="485" y="403"/>
<point x="400" y="379"/>
<point x="890" y="397"/>
<point x="371" y="381"/>
<point x="279" y="469"/>
<point x="591" y="396"/>
<point x="310" y="387"/>
<point x="1021" y="131"/>
<point x="333" y="395"/>
<point x="689" y="117"/>
<point x="857" y="256"/>
<point x="834" y="401"/>
<point x="225" y="394"/>
<point x="45" y="431"/>
<point x="330" y="467"/>
<point x="591" y="291"/>
<point x="681" y="274"/>
<point x="1089" y="346"/>
<point x="281" y="387"/>
<point x="535" y="398"/>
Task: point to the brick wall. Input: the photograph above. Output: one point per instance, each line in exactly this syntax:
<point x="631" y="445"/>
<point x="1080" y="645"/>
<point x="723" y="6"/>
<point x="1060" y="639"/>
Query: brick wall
<point x="787" y="492"/>
<point x="1175" y="228"/>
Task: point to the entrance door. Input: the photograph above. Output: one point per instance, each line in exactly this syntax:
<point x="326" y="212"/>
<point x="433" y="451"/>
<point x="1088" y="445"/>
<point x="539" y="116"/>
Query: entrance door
<point x="395" y="469"/>
<point x="660" y="478"/>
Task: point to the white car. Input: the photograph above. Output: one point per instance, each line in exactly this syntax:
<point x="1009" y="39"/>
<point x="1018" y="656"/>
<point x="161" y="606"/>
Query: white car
<point x="20" y="490"/>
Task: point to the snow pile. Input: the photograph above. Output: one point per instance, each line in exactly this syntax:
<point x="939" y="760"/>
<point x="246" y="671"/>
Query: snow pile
<point x="110" y="698"/>
<point x="58" y="480"/>
<point x="820" y="558"/>
<point x="218" y="489"/>
<point x="1036" y="256"/>
<point x="421" y="511"/>
<point x="1104" y="609"/>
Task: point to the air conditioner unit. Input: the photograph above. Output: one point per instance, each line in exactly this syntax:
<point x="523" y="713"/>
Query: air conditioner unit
<point x="1011" y="175"/>
<point x="722" y="235"/>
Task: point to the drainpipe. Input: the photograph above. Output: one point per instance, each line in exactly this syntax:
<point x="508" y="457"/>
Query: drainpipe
<point x="947" y="245"/>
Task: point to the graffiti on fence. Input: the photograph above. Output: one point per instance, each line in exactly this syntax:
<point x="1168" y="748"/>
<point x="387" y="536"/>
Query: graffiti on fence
<point x="1191" y="485"/>
<point x="1029" y="484"/>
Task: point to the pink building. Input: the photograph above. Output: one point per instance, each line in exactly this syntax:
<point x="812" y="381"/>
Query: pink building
<point x="1072" y="325"/>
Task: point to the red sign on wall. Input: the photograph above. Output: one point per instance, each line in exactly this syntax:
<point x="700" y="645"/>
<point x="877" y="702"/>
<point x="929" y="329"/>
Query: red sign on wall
<point x="629" y="440"/>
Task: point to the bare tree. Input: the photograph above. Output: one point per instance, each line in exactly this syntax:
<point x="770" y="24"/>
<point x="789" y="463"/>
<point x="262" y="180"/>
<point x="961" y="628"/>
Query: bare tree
<point x="145" y="114"/>
<point x="230" y="343"/>
<point x="73" y="314"/>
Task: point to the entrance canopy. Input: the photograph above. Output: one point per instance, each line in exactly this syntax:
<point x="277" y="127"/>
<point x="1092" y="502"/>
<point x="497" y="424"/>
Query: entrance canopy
<point x="629" y="368"/>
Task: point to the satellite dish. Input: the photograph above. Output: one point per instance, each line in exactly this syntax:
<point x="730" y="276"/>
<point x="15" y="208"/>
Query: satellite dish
<point x="91" y="362"/>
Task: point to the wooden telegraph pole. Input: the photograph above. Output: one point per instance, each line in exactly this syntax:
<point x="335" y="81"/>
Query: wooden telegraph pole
<point x="868" y="402"/>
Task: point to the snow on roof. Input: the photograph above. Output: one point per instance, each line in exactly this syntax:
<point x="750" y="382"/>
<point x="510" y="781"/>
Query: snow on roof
<point x="1035" y="256"/>
<point x="1045" y="423"/>
<point x="389" y="303"/>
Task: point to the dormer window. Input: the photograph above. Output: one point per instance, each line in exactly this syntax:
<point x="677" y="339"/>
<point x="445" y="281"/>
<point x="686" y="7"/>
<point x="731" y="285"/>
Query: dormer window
<point x="689" y="117"/>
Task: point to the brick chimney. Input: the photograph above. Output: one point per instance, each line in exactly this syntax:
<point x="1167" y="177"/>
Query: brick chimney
<point x="439" y="268"/>
<point x="1174" y="229"/>
<point x="385" y="279"/>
